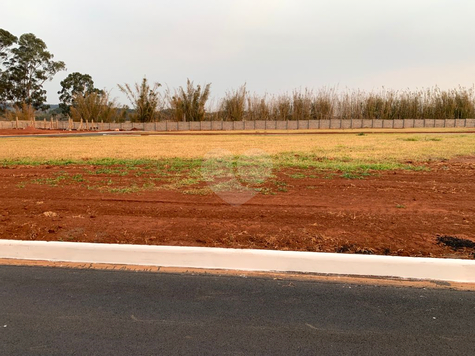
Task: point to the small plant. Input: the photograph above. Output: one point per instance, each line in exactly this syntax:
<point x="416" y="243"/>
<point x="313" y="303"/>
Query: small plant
<point x="354" y="175"/>
<point x="265" y="191"/>
<point x="53" y="182"/>
<point x="125" y="190"/>
<point x="78" y="178"/>
<point x="120" y="171"/>
<point x="197" y="191"/>
<point x="297" y="176"/>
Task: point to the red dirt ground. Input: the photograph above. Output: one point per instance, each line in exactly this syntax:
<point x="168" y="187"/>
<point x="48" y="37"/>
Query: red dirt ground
<point x="29" y="131"/>
<point x="394" y="213"/>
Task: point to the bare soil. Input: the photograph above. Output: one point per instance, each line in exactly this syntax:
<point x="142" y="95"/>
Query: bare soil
<point x="403" y="213"/>
<point x="29" y="131"/>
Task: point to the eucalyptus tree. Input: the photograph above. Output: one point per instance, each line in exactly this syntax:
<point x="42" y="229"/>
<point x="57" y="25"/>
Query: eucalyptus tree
<point x="27" y="65"/>
<point x="74" y="84"/>
<point x="6" y="42"/>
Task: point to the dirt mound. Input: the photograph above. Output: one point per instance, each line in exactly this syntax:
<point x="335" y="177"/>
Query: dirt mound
<point x="30" y="130"/>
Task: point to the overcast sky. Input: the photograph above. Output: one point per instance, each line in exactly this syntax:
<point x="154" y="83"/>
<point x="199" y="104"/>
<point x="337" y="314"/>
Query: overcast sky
<point x="274" y="46"/>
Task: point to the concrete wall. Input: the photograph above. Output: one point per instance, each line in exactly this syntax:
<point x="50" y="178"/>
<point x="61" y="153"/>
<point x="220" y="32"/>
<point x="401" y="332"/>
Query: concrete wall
<point x="254" y="125"/>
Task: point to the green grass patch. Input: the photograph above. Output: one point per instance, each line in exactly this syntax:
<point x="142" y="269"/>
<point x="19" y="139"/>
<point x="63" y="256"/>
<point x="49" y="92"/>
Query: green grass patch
<point x="355" y="175"/>
<point x="229" y="173"/>
<point x="78" y="178"/>
<point x="297" y="176"/>
<point x="220" y="169"/>
<point x="53" y="182"/>
<point x="125" y="190"/>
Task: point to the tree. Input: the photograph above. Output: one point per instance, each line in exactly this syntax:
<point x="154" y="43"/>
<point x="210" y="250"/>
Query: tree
<point x="29" y="66"/>
<point x="74" y="83"/>
<point x="146" y="100"/>
<point x="189" y="105"/>
<point x="6" y="41"/>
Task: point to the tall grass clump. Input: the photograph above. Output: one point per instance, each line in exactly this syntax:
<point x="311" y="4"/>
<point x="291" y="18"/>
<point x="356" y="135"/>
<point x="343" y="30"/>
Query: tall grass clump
<point x="145" y="99"/>
<point x="233" y="106"/>
<point x="257" y="108"/>
<point x="189" y="104"/>
<point x="21" y="112"/>
<point x="95" y="106"/>
<point x="385" y="104"/>
<point x="302" y="105"/>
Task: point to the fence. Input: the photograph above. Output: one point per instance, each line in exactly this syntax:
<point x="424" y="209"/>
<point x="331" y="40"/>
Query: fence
<point x="250" y="125"/>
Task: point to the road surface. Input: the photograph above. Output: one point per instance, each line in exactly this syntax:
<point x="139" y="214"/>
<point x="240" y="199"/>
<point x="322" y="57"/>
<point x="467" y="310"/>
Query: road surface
<point x="54" y="311"/>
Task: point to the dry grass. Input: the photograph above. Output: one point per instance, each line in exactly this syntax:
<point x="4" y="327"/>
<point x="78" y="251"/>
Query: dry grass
<point x="344" y="147"/>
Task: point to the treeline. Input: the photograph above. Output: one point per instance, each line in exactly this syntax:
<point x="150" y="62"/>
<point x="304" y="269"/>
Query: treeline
<point x="25" y="64"/>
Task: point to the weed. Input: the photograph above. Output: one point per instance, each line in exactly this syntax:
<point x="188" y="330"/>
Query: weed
<point x="78" y="178"/>
<point x="53" y="182"/>
<point x="125" y="190"/>
<point x="265" y="191"/>
<point x="297" y="176"/>
<point x="355" y="175"/>
<point x="184" y="182"/>
<point x="197" y="191"/>
<point x="112" y="171"/>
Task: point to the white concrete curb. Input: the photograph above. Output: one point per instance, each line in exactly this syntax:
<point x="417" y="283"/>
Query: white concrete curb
<point x="247" y="260"/>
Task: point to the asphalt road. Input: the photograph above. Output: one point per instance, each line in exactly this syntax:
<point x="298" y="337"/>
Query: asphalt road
<point x="53" y="311"/>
